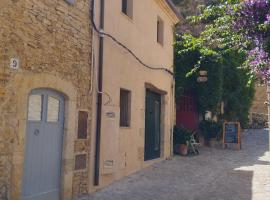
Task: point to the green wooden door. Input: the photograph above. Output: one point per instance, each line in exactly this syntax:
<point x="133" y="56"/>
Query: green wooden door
<point x="152" y="125"/>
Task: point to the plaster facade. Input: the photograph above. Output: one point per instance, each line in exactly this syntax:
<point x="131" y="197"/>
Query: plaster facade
<point x="52" y="42"/>
<point x="124" y="147"/>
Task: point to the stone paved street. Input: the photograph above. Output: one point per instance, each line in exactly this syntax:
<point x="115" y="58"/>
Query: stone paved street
<point x="215" y="174"/>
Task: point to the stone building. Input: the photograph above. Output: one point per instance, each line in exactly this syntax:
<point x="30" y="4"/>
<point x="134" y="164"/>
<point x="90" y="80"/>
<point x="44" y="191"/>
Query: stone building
<point x="138" y="113"/>
<point x="258" y="113"/>
<point x="45" y="85"/>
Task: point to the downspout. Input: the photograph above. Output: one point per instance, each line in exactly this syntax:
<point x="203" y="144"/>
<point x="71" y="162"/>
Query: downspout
<point x="99" y="94"/>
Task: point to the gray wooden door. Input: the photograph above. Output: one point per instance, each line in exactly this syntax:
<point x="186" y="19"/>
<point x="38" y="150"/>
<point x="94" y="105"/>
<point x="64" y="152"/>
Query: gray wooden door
<point x="43" y="148"/>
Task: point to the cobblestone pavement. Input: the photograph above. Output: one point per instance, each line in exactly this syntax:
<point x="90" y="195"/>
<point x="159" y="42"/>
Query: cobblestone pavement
<point x="215" y="174"/>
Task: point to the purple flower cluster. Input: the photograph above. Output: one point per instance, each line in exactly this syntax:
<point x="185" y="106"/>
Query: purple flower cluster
<point x="268" y="18"/>
<point x="258" y="61"/>
<point x="252" y="20"/>
<point x="258" y="56"/>
<point x="251" y="15"/>
<point x="264" y="74"/>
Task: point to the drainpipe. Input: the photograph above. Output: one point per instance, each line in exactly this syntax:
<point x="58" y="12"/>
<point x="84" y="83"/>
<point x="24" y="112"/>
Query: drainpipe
<point x="99" y="95"/>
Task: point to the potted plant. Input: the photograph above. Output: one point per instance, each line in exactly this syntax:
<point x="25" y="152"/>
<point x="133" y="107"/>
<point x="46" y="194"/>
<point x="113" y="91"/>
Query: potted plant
<point x="210" y="130"/>
<point x="180" y="138"/>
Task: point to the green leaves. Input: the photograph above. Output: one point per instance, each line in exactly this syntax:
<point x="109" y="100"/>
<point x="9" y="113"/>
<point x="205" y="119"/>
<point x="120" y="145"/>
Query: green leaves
<point x="221" y="51"/>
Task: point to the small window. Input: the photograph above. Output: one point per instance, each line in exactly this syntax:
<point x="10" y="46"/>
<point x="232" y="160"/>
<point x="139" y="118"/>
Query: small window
<point x="53" y="109"/>
<point x="127" y="7"/>
<point x="35" y="107"/>
<point x="125" y="104"/>
<point x="160" y="31"/>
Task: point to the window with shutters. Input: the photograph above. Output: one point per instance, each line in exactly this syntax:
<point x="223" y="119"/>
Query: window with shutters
<point x="125" y="108"/>
<point x="127" y="7"/>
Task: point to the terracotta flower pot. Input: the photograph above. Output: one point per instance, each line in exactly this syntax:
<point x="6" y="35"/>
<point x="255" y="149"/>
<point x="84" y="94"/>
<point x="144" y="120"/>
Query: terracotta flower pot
<point x="183" y="149"/>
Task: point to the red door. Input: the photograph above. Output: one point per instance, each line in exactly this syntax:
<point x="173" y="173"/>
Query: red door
<point x="187" y="113"/>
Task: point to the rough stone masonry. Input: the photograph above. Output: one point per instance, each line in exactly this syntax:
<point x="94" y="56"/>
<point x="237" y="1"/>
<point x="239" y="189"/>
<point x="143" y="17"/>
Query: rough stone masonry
<point x="50" y="39"/>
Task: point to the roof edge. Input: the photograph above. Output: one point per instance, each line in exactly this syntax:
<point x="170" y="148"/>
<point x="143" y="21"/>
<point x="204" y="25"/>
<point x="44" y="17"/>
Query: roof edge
<point x="174" y="9"/>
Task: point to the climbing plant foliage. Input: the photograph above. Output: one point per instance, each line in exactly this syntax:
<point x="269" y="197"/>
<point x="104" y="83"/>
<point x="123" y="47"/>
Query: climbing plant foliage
<point x="226" y="51"/>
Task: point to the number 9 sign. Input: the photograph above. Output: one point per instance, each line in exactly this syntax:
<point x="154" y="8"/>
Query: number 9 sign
<point x="14" y="63"/>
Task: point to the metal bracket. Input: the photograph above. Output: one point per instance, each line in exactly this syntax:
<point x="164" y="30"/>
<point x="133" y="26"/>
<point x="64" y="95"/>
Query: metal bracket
<point x="101" y="33"/>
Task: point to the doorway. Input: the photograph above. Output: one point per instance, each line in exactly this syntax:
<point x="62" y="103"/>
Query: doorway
<point x="152" y="125"/>
<point x="187" y="115"/>
<point x="43" y="145"/>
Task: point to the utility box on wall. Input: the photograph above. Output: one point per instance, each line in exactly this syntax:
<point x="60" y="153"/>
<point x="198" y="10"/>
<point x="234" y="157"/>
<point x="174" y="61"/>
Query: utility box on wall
<point x="109" y="140"/>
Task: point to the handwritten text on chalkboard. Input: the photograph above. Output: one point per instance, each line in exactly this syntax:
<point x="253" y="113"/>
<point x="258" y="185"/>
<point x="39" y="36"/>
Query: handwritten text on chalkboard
<point x="231" y="133"/>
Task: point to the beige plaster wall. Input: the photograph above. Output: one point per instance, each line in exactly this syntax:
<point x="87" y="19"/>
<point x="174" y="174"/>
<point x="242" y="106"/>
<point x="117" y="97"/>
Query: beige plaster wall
<point x="52" y="41"/>
<point x="125" y="146"/>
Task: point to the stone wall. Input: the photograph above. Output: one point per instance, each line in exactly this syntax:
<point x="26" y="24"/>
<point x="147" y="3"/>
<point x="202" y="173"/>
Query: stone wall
<point x="258" y="111"/>
<point x="49" y="38"/>
<point x="258" y="120"/>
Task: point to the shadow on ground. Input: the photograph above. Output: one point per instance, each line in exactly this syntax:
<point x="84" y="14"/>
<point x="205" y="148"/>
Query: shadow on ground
<point x="215" y="174"/>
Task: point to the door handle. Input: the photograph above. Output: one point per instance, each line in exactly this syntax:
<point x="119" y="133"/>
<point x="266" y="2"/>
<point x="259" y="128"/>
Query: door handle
<point x="36" y="132"/>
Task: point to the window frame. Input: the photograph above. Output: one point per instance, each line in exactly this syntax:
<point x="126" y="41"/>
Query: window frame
<point x="125" y="120"/>
<point x="127" y="8"/>
<point x="160" y="31"/>
<point x="48" y="120"/>
<point x="41" y="106"/>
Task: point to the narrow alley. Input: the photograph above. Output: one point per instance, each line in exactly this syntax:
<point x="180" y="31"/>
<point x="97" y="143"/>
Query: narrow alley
<point x="215" y="174"/>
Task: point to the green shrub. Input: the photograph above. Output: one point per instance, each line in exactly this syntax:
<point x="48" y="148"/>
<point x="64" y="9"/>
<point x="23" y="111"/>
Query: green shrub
<point x="210" y="129"/>
<point x="181" y="135"/>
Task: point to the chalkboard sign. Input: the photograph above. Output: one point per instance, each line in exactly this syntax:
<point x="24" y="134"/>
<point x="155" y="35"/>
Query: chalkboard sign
<point x="231" y="134"/>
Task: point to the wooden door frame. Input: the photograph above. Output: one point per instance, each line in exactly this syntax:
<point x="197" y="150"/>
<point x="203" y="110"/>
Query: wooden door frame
<point x="162" y="93"/>
<point x="179" y="104"/>
<point x="48" y="92"/>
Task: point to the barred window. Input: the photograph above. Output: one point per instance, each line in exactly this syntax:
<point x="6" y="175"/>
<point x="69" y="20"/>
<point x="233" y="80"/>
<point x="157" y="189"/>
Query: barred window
<point x="125" y="107"/>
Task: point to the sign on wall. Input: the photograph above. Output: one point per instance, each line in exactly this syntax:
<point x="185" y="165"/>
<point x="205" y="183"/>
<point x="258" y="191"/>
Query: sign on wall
<point x="14" y="63"/>
<point x="231" y="134"/>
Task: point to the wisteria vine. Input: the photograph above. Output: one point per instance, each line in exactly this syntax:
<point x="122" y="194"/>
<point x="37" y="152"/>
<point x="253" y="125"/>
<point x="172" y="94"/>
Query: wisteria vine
<point x="252" y="20"/>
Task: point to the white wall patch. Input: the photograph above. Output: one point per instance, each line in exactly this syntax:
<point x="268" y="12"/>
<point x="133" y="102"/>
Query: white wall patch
<point x="14" y="63"/>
